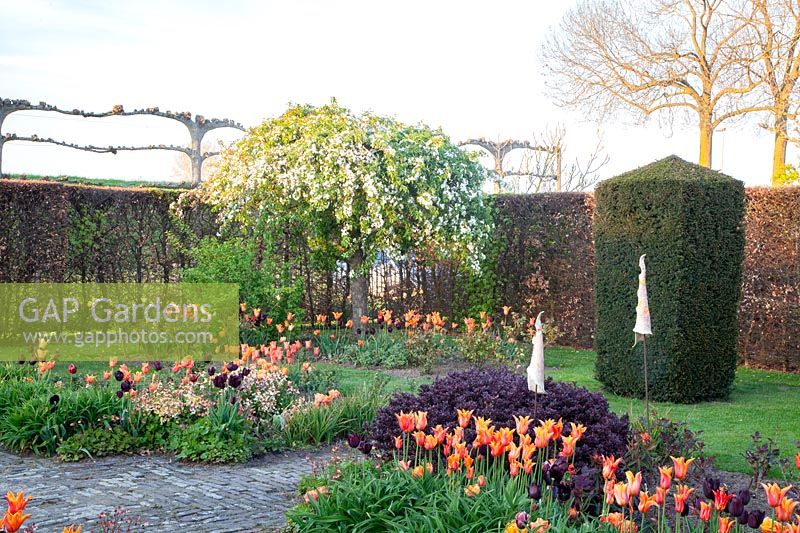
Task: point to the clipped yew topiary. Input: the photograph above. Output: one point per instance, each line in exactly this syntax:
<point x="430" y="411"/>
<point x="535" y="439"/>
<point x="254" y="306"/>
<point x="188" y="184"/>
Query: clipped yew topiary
<point x="689" y="221"/>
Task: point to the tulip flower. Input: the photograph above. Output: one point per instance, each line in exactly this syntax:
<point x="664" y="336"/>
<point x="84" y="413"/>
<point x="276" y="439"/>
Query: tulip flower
<point x="634" y="483"/>
<point x="621" y="495"/>
<point x="12" y="522"/>
<point x="418" y="471"/>
<point x="16" y="502"/>
<point x="430" y="442"/>
<point x="681" y="466"/>
<point x="542" y="436"/>
<point x="505" y="436"/>
<point x="725" y="524"/>
<point x="453" y="463"/>
<point x="421" y="420"/>
<point x="481" y="481"/>
<point x="784" y="510"/>
<point x="404" y="465"/>
<point x="680" y="498"/>
<point x="775" y="494"/>
<point x="646" y="502"/>
<point x="398" y="442"/>
<point x="514" y="468"/>
<point x="464" y="416"/>
<point x="497" y="448"/>
<point x="419" y="438"/>
<point x="705" y="511"/>
<point x="660" y="495"/>
<point x="721" y="499"/>
<point x="568" y="446"/>
<point x="797" y="460"/>
<point x="71" y="529"/>
<point x="405" y="421"/>
<point x="577" y="430"/>
<point x="472" y="490"/>
<point x="90" y="379"/>
<point x="522" y="423"/>
<point x="556" y="429"/>
<point x="610" y="467"/>
<point x="666" y="477"/>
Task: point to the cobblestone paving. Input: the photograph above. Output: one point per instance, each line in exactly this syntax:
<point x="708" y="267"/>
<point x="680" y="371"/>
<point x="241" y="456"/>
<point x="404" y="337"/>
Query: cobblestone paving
<point x="168" y="495"/>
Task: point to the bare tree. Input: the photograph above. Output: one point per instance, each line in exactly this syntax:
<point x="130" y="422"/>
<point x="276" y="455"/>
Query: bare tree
<point x="776" y="34"/>
<point x="656" y="57"/>
<point x="538" y="170"/>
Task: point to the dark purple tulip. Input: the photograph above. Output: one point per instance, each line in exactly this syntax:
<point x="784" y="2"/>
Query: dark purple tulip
<point x="235" y="380"/>
<point x="353" y="440"/>
<point x="233" y="400"/>
<point x="211" y="370"/>
<point x="709" y="486"/>
<point x="742" y="518"/>
<point x="193" y="377"/>
<point x="54" y="399"/>
<point x="120" y="394"/>
<point x="358" y="331"/>
<point x="364" y="447"/>
<point x="157" y="365"/>
<point x="219" y="380"/>
<point x="21" y="361"/>
<point x="232" y="367"/>
<point x="125" y="386"/>
<point x="744" y="495"/>
<point x="118" y="375"/>
<point x="389" y="329"/>
<point x="522" y="519"/>
<point x="245" y="372"/>
<point x="756" y="518"/>
<point x="535" y="492"/>
<point x="736" y="507"/>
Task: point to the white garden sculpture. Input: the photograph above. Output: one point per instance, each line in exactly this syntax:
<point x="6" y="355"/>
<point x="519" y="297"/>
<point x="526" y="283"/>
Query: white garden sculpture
<point x="536" y="368"/>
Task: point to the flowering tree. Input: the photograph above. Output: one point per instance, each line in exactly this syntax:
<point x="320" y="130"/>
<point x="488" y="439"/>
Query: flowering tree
<point x="354" y="186"/>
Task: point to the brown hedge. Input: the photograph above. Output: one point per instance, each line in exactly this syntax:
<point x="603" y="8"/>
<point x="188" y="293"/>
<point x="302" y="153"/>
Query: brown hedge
<point x="64" y="233"/>
<point x="57" y="232"/>
<point x="769" y="313"/>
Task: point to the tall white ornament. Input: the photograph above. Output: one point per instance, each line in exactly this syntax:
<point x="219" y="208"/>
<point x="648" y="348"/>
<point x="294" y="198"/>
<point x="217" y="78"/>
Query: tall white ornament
<point x="642" y="326"/>
<point x="536" y="368"/>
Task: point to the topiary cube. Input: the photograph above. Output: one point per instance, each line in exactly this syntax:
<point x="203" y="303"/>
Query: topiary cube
<point x="689" y="221"/>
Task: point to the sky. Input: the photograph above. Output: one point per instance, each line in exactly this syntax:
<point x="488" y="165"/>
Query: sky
<point x="468" y="67"/>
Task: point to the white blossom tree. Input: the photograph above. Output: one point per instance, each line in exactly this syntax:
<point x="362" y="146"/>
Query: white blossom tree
<point x="355" y="186"/>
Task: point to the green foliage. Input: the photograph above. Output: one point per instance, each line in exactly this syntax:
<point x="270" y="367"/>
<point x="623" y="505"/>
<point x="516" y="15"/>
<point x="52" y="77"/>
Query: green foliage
<point x="688" y="220"/>
<point x="261" y="282"/>
<point x="366" y="498"/>
<point x="385" y="349"/>
<point x="96" y="442"/>
<point x="220" y="437"/>
<point x="347" y="414"/>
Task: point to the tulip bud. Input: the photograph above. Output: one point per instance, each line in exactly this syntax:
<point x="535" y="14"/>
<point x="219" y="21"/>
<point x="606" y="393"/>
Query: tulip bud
<point x="743" y="518"/>
<point x="353" y="440"/>
<point x="522" y="520"/>
<point x="232" y="367"/>
<point x="72" y="369"/>
<point x="54" y="399"/>
<point x="756" y="518"/>
<point x="535" y="492"/>
<point x="744" y="495"/>
<point x="212" y="370"/>
<point x="736" y="507"/>
<point x="125" y="386"/>
<point x="118" y="375"/>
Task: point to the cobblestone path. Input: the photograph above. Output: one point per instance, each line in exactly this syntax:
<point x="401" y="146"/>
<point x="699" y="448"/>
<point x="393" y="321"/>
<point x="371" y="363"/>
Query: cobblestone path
<point x="168" y="495"/>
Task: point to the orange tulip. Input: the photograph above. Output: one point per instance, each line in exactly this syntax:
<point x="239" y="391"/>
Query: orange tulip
<point x="90" y="379"/>
<point x="646" y="502"/>
<point x="784" y="510"/>
<point x="568" y="446"/>
<point x="481" y="481"/>
<point x="403" y="465"/>
<point x="661" y="495"/>
<point x="453" y="463"/>
<point x="557" y="429"/>
<point x="464" y="416"/>
<point x="634" y="483"/>
<point x="680" y="498"/>
<point x="666" y="477"/>
<point x="681" y="466"/>
<point x="797" y="460"/>
<point x="725" y="524"/>
<point x="775" y="494"/>
<point x="72" y="529"/>
<point x="16" y="502"/>
<point x="621" y="494"/>
<point x="418" y="471"/>
<point x="472" y="490"/>
<point x="610" y="466"/>
<point x="440" y="433"/>
<point x="577" y="430"/>
<point x="721" y="499"/>
<point x="705" y="511"/>
<point x="398" y="442"/>
<point x="619" y="522"/>
<point x="419" y="437"/>
<point x="13" y="521"/>
<point x="430" y="442"/>
<point x="429" y="468"/>
<point x="421" y="420"/>
<point x="497" y="448"/>
<point x="522" y="423"/>
<point x="506" y="436"/>
<point x="542" y="438"/>
<point x="405" y="421"/>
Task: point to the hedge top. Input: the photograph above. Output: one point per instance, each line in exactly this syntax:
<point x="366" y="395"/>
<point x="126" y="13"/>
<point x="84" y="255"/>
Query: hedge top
<point x="671" y="168"/>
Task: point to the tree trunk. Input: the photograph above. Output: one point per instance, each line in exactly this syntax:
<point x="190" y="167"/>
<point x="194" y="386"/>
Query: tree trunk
<point x="779" y="150"/>
<point x="358" y="288"/>
<point x="706" y="137"/>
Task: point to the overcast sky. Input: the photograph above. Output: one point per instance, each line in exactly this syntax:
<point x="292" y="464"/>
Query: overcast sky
<point x="470" y="67"/>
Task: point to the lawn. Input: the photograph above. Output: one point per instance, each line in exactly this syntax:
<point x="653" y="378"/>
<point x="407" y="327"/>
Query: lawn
<point x="760" y="401"/>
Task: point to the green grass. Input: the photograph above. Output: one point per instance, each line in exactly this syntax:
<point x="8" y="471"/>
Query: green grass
<point x="760" y="400"/>
<point x="101" y="181"/>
